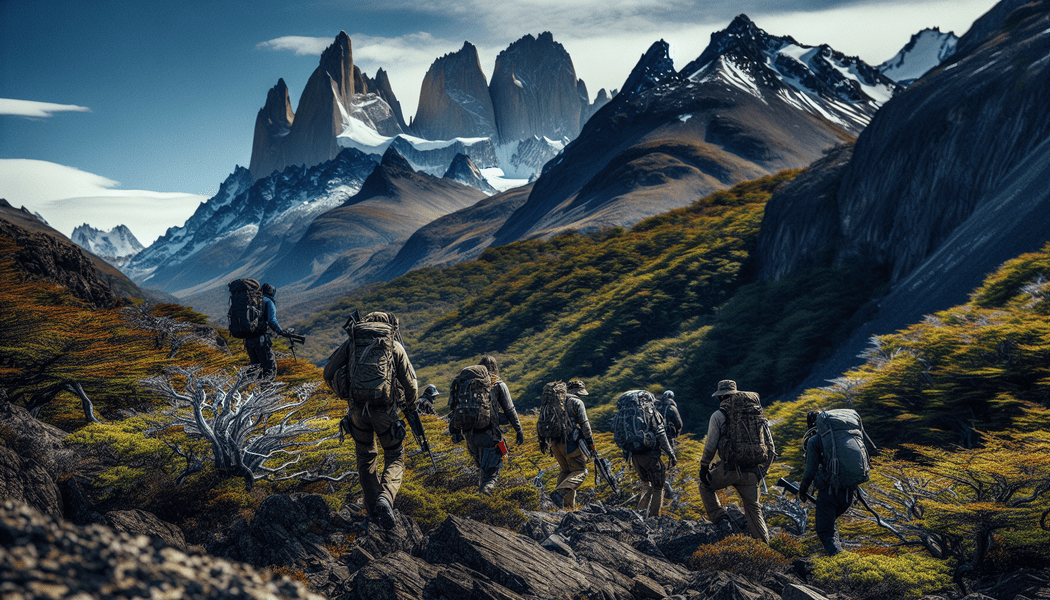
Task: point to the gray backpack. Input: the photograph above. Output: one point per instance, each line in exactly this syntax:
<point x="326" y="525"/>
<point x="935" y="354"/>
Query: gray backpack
<point x="553" y="421"/>
<point x="637" y="424"/>
<point x="471" y="399"/>
<point x="846" y="459"/>
<point x="370" y="371"/>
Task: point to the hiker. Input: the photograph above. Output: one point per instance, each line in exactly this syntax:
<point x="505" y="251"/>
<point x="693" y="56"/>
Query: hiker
<point x="564" y="430"/>
<point x="426" y="400"/>
<point x="740" y="434"/>
<point x="672" y="419"/>
<point x="638" y="429"/>
<point x="833" y="436"/>
<point x="260" y="348"/>
<point x="476" y="398"/>
<point x="359" y="371"/>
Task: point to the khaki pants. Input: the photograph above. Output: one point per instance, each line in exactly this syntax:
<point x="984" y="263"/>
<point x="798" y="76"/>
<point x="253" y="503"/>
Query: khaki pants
<point x="367" y="424"/>
<point x="746" y="485"/>
<point x="573" y="471"/>
<point x="652" y="474"/>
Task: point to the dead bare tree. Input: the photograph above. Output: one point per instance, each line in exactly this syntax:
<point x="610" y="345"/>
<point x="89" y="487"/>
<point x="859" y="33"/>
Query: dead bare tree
<point x="171" y="332"/>
<point x="230" y="414"/>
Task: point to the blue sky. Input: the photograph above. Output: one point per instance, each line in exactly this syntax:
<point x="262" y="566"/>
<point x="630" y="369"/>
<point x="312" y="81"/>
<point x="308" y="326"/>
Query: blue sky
<point x="139" y="109"/>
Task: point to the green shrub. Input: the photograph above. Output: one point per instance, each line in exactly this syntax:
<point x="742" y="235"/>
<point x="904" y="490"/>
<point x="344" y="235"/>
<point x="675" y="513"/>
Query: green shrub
<point x="739" y="554"/>
<point x="875" y="577"/>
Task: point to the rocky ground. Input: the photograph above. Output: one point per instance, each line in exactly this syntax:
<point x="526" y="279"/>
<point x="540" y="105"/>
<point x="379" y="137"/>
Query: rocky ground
<point x="595" y="552"/>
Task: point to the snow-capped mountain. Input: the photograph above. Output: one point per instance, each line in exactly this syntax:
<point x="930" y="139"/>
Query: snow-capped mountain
<point x="817" y="79"/>
<point x="246" y="221"/>
<point x="924" y="51"/>
<point x="115" y="246"/>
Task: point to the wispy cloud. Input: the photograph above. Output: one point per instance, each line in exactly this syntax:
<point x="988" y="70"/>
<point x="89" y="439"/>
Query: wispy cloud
<point x="300" y="45"/>
<point x="68" y="197"/>
<point x="38" y="110"/>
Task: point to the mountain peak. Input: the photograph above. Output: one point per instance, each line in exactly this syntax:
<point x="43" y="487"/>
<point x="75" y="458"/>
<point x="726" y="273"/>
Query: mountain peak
<point x="392" y="159"/>
<point x="654" y="68"/>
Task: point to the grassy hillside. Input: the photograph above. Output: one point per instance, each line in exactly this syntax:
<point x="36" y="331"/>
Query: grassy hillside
<point x="669" y="303"/>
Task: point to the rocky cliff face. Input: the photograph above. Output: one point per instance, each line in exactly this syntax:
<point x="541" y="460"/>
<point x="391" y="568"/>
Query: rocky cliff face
<point x="336" y="97"/>
<point x="381" y="86"/>
<point x="535" y="91"/>
<point x="932" y="156"/>
<point x="47" y="255"/>
<point x="454" y="99"/>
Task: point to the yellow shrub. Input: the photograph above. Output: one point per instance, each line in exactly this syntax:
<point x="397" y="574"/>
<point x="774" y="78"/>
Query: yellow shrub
<point x="739" y="554"/>
<point x="874" y="577"/>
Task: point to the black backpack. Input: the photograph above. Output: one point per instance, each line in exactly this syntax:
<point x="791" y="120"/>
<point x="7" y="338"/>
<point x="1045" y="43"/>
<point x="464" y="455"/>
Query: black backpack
<point x="637" y="423"/>
<point x="471" y="399"/>
<point x="246" y="309"/>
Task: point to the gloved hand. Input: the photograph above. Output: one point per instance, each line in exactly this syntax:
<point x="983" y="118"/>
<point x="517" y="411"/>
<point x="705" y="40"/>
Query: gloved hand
<point x="544" y="446"/>
<point x="457" y="438"/>
<point x="672" y="461"/>
<point x="804" y="497"/>
<point x="705" y="475"/>
<point x="590" y="446"/>
<point x="521" y="438"/>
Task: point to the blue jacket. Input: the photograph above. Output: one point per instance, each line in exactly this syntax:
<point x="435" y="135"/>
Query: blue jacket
<point x="270" y="315"/>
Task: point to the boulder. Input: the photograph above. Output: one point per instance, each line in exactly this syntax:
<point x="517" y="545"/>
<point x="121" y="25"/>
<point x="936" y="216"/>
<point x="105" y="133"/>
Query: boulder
<point x="718" y="585"/>
<point x="30" y="456"/>
<point x="797" y="591"/>
<point x="140" y="522"/>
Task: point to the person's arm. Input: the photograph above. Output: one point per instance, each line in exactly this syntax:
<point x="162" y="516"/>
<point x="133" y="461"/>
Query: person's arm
<point x="406" y="375"/>
<point x="714" y="428"/>
<point x="271" y="316"/>
<point x="580" y="420"/>
<point x="506" y="404"/>
<point x="676" y="419"/>
<point x="814" y="449"/>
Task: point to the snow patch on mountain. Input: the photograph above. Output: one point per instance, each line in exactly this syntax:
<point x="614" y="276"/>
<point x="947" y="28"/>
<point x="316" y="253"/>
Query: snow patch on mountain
<point x="925" y="50"/>
<point x="115" y="246"/>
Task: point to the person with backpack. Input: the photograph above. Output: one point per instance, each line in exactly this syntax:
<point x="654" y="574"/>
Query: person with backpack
<point x="672" y="418"/>
<point x="739" y="433"/>
<point x="477" y="396"/>
<point x="639" y="430"/>
<point x="371" y="370"/>
<point x="564" y="430"/>
<point x="837" y="463"/>
<point x="257" y="342"/>
<point x="426" y="400"/>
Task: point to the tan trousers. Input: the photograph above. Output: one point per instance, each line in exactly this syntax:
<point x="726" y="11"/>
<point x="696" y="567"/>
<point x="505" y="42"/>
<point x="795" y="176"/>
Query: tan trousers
<point x="367" y="425"/>
<point x="652" y="474"/>
<point x="573" y="471"/>
<point x="746" y="485"/>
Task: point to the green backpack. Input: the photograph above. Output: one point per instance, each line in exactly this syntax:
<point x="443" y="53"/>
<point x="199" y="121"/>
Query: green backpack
<point x="846" y="460"/>
<point x="745" y="440"/>
<point x="553" y="421"/>
<point x="370" y="372"/>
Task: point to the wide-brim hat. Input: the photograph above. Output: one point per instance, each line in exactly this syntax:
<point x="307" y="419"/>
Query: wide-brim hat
<point x="726" y="386"/>
<point x="577" y="388"/>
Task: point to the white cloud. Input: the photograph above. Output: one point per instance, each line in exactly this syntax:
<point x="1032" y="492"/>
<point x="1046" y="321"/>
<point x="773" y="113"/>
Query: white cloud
<point x="67" y="197"/>
<point x="300" y="45"/>
<point x="33" y="109"/>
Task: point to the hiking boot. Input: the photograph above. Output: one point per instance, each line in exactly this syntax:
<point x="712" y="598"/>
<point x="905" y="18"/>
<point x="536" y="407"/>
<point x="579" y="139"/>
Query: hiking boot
<point x="384" y="513"/>
<point x="556" y="497"/>
<point x="725" y="526"/>
<point x="489" y="488"/>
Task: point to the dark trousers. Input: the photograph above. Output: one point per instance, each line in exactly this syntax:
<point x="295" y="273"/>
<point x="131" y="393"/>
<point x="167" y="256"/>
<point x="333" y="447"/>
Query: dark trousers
<point x="260" y="353"/>
<point x="831" y="503"/>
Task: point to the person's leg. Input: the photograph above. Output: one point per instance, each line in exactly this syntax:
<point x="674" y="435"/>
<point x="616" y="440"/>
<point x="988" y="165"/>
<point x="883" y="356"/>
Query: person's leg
<point x="656" y="475"/>
<point x="720" y="479"/>
<point x="748" y="489"/>
<point x="563" y="463"/>
<point x="391" y="437"/>
<point x="826" y="512"/>
<point x="367" y="457"/>
<point x="645" y="494"/>
<point x="268" y="361"/>
<point x="577" y="465"/>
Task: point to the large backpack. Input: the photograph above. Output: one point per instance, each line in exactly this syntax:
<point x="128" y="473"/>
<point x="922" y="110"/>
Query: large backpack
<point x="553" y="421"/>
<point x="745" y="440"/>
<point x="370" y="368"/>
<point x="637" y="423"/>
<point x="471" y="397"/>
<point x="246" y="309"/>
<point x="846" y="460"/>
